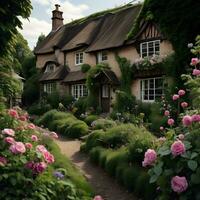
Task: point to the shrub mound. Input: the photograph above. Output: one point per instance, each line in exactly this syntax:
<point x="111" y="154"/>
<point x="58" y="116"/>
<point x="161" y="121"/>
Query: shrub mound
<point x="103" y="124"/>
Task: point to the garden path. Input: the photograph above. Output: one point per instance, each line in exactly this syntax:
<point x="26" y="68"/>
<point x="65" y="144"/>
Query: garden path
<point x="102" y="183"/>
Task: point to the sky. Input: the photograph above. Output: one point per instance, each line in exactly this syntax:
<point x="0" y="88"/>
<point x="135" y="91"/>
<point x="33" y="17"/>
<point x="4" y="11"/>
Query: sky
<point x="40" y="19"/>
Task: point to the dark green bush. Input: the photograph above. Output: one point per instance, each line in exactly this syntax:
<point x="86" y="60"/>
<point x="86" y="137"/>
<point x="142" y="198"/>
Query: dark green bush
<point x="80" y="106"/>
<point x="39" y="108"/>
<point x="95" y="154"/>
<point x="53" y="99"/>
<point x="103" y="124"/>
<point x="85" y="68"/>
<point x="90" y="118"/>
<point x="103" y="157"/>
<point x="67" y="101"/>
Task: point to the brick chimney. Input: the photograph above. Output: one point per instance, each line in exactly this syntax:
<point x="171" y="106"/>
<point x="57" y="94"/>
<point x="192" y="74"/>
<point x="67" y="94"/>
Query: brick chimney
<point x="57" y="19"/>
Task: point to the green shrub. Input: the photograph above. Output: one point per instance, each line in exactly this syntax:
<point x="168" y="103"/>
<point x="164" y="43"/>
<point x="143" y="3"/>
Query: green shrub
<point x="103" y="157"/>
<point x="80" y="106"/>
<point x="90" y="118"/>
<point x="95" y="154"/>
<point x="103" y="124"/>
<point x="67" y="101"/>
<point x="39" y="109"/>
<point x="53" y="99"/>
<point x="85" y="68"/>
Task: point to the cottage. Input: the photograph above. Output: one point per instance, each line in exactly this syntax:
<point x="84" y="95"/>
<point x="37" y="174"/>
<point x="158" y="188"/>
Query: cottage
<point x="97" y="39"/>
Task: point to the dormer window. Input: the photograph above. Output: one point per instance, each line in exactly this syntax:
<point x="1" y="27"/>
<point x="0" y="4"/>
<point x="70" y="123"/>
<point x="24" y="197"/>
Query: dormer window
<point x="79" y="58"/>
<point x="151" y="48"/>
<point x="50" y="68"/>
<point x="102" y="56"/>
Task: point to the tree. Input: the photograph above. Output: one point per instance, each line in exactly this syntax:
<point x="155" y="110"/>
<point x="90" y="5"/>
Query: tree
<point x="40" y="39"/>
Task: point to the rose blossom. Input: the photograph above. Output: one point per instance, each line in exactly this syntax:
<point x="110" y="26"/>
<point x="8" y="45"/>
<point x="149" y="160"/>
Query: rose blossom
<point x="175" y="97"/>
<point x="179" y="184"/>
<point x="150" y="157"/>
<point x="181" y="137"/>
<point x="194" y="61"/>
<point x="8" y="131"/>
<point x="181" y="92"/>
<point x="166" y="113"/>
<point x="187" y="120"/>
<point x="31" y="126"/>
<point x="161" y="139"/>
<point x="170" y="121"/>
<point x="34" y="138"/>
<point x="13" y="113"/>
<point x="54" y="135"/>
<point x="48" y="157"/>
<point x="98" y="197"/>
<point x="184" y="104"/>
<point x="17" y="147"/>
<point x="23" y="118"/>
<point x="196" y="72"/>
<point x="161" y="128"/>
<point x="28" y="145"/>
<point x="41" y="148"/>
<point x="39" y="167"/>
<point x="3" y="161"/>
<point x="9" y="140"/>
<point x="178" y="148"/>
<point x="196" y="118"/>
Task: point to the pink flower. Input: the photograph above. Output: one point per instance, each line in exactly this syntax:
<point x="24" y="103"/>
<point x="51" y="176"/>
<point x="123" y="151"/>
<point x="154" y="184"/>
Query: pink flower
<point x="194" y="61"/>
<point x="39" y="167"/>
<point x="17" y="148"/>
<point x="184" y="104"/>
<point x="181" y="137"/>
<point x="187" y="120"/>
<point x="166" y="113"/>
<point x="181" y="92"/>
<point x="28" y="145"/>
<point x="196" y="118"/>
<point x="8" y="131"/>
<point x="13" y="113"/>
<point x="161" y="139"/>
<point x="196" y="72"/>
<point x="98" y="198"/>
<point x="170" y="122"/>
<point x="161" y="128"/>
<point x="34" y="138"/>
<point x="149" y="157"/>
<point x="175" y="97"/>
<point x="29" y="165"/>
<point x="3" y="161"/>
<point x="41" y="148"/>
<point x="23" y="118"/>
<point x="48" y="157"/>
<point x="178" y="148"/>
<point x="54" y="135"/>
<point x="179" y="184"/>
<point x="9" y="140"/>
<point x="31" y="126"/>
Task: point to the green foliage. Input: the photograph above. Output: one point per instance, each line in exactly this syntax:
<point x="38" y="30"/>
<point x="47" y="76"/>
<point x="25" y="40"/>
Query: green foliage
<point x="103" y="124"/>
<point x="39" y="109"/>
<point x="40" y="39"/>
<point x="90" y="118"/>
<point x="80" y="106"/>
<point x="53" y="99"/>
<point x="85" y="68"/>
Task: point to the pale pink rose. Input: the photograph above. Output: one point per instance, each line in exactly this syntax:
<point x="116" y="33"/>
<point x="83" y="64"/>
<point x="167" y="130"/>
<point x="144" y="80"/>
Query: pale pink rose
<point x="181" y="137"/>
<point x="181" y="92"/>
<point x="98" y="197"/>
<point x="175" y="97"/>
<point x="9" y="140"/>
<point x="13" y="113"/>
<point x="28" y="145"/>
<point x="194" y="61"/>
<point x="161" y="139"/>
<point x="17" y="148"/>
<point x="41" y="148"/>
<point x="196" y="118"/>
<point x="8" y="131"/>
<point x="196" y="72"/>
<point x="184" y="104"/>
<point x="150" y="157"/>
<point x="178" y="148"/>
<point x="23" y="118"/>
<point x="170" y="121"/>
<point x="39" y="167"/>
<point x="166" y="113"/>
<point x="161" y="128"/>
<point x="54" y="135"/>
<point x="179" y="184"/>
<point x="31" y="126"/>
<point x="34" y="138"/>
<point x="3" y="161"/>
<point x="187" y="120"/>
<point x="48" y="157"/>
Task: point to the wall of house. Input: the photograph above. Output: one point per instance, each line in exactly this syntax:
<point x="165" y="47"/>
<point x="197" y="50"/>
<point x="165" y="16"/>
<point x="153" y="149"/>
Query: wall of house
<point x="42" y="59"/>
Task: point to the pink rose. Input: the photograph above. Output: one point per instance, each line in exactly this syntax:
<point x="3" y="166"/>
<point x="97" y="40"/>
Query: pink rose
<point x="196" y="118"/>
<point x="28" y="145"/>
<point x="48" y="157"/>
<point x="34" y="138"/>
<point x="187" y="120"/>
<point x="161" y="139"/>
<point x="31" y="126"/>
<point x="194" y="61"/>
<point x="98" y="198"/>
<point x="3" y="161"/>
<point x="181" y="92"/>
<point x="40" y="167"/>
<point x="23" y="118"/>
<point x="179" y="184"/>
<point x="54" y="135"/>
<point x="161" y="128"/>
<point x="8" y="131"/>
<point x="181" y="137"/>
<point x="170" y="122"/>
<point x="9" y="140"/>
<point x="184" y="104"/>
<point x="41" y="148"/>
<point x="166" y="113"/>
<point x="150" y="157"/>
<point x="196" y="72"/>
<point x="17" y="148"/>
<point x="175" y="97"/>
<point x="178" y="148"/>
<point x="13" y="113"/>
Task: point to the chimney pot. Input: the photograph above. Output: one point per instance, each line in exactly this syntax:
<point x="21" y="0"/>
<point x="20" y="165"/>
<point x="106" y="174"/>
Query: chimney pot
<point x="57" y="7"/>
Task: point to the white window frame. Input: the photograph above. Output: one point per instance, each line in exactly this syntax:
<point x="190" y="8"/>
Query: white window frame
<point x="102" y="56"/>
<point x="49" y="87"/>
<point x="149" y="53"/>
<point x="50" y="68"/>
<point x="143" y="89"/>
<point x="79" y="57"/>
<point x="79" y="90"/>
<point x="105" y="91"/>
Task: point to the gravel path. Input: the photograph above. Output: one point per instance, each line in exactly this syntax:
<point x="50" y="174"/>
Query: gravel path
<point x="102" y="183"/>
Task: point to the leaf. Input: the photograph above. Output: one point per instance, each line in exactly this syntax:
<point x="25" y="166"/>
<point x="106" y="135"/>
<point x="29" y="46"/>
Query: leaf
<point x="163" y="151"/>
<point x="192" y="164"/>
<point x="194" y="155"/>
<point x="187" y="145"/>
<point x="153" y="178"/>
<point x="195" y="179"/>
<point x="157" y="170"/>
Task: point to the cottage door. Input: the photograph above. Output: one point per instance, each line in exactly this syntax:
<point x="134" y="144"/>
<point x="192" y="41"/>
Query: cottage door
<point x="105" y="98"/>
